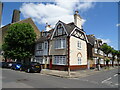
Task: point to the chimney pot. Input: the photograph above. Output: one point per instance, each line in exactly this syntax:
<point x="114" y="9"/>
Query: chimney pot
<point x="76" y="12"/>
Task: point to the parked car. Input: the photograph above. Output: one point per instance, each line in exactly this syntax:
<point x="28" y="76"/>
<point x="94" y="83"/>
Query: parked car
<point x="4" y="64"/>
<point x="16" y="66"/>
<point x="31" y="67"/>
<point x="7" y="64"/>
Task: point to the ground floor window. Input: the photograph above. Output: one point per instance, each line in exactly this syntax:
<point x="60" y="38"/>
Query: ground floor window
<point x="60" y="60"/>
<point x="101" y="61"/>
<point x="79" y="61"/>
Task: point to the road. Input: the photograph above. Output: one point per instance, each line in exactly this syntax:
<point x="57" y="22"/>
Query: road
<point x="17" y="79"/>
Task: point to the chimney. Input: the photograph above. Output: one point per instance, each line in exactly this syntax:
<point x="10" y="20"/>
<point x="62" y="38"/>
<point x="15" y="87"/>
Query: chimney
<point x="16" y="16"/>
<point x="47" y="27"/>
<point x="77" y="20"/>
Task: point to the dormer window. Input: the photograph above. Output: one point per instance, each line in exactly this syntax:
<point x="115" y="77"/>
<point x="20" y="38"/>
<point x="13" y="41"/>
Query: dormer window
<point x="60" y="29"/>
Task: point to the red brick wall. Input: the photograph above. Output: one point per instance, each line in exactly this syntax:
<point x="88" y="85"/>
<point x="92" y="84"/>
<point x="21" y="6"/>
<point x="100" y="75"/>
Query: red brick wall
<point x="65" y="67"/>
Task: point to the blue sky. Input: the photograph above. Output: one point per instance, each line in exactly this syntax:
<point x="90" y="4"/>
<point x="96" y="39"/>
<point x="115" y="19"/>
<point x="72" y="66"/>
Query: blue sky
<point x="100" y="18"/>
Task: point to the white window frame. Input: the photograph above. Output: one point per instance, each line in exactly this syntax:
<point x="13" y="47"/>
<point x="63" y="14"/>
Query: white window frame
<point x="79" y="61"/>
<point x="60" y="60"/>
<point x="45" y="45"/>
<point x="39" y="46"/>
<point x="96" y="50"/>
<point x="60" y="43"/>
<point x="60" y="29"/>
<point x="38" y="53"/>
<point x="79" y="45"/>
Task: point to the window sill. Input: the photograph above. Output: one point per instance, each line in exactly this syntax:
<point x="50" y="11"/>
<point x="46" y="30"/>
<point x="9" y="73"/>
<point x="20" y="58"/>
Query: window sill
<point x="39" y="50"/>
<point x="59" y="64"/>
<point x="79" y="48"/>
<point x="59" y="48"/>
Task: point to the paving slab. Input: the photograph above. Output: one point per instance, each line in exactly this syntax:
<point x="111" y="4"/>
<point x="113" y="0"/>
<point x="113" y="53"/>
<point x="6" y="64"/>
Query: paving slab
<point x="73" y="74"/>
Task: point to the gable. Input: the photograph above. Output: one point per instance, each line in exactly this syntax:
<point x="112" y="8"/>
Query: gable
<point x="79" y="34"/>
<point x="59" y="30"/>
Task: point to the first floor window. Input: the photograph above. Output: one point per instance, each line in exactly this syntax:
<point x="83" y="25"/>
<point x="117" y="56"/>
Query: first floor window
<point x="60" y="43"/>
<point x="79" y="60"/>
<point x="96" y="50"/>
<point x="79" y="44"/>
<point x="60" y="60"/>
<point x="39" y="46"/>
<point x="39" y="53"/>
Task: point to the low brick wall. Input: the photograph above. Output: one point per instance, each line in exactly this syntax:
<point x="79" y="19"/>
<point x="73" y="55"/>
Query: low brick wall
<point x="65" y="67"/>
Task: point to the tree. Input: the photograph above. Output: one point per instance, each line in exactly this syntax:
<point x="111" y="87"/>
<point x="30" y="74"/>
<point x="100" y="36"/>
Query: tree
<point x="118" y="57"/>
<point x="19" y="42"/>
<point x="114" y="53"/>
<point x="106" y="49"/>
<point x="107" y="61"/>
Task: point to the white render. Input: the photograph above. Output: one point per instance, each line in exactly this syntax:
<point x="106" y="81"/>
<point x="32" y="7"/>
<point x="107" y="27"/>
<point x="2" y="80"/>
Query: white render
<point x="75" y="51"/>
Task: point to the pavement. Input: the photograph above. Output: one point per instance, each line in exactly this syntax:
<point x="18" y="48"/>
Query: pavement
<point x="74" y="74"/>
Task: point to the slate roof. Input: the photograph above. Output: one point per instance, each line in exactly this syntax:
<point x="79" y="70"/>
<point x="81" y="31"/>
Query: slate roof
<point x="91" y="39"/>
<point x="69" y="27"/>
<point x="45" y="38"/>
<point x="41" y="39"/>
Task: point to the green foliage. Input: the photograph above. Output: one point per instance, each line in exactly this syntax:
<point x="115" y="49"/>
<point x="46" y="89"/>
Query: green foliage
<point x="19" y="41"/>
<point x="118" y="54"/>
<point x="106" y="49"/>
<point x="107" y="60"/>
<point x="114" y="52"/>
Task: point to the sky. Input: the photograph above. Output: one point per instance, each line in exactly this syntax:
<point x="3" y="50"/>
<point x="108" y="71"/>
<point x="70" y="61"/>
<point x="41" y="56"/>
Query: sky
<point x="99" y="18"/>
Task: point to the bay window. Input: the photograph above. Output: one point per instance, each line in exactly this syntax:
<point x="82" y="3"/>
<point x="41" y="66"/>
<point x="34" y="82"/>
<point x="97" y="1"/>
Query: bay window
<point x="39" y="46"/>
<point x="60" y="43"/>
<point x="60" y="60"/>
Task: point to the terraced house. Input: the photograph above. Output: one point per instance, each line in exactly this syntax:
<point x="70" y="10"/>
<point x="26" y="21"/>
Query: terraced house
<point x="66" y="45"/>
<point x="95" y="54"/>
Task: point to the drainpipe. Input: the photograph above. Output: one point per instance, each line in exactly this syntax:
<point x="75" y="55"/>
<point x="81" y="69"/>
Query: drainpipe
<point x="68" y="38"/>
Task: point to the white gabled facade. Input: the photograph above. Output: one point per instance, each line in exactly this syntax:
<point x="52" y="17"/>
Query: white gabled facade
<point x="78" y="51"/>
<point x="67" y="46"/>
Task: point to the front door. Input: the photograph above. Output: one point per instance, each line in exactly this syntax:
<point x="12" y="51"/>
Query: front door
<point x="50" y="66"/>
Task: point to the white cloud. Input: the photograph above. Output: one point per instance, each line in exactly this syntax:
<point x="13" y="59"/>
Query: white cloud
<point x="52" y="12"/>
<point x="117" y="25"/>
<point x="108" y="41"/>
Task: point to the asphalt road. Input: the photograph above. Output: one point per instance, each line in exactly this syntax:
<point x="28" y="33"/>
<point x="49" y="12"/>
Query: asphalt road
<point x="17" y="79"/>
